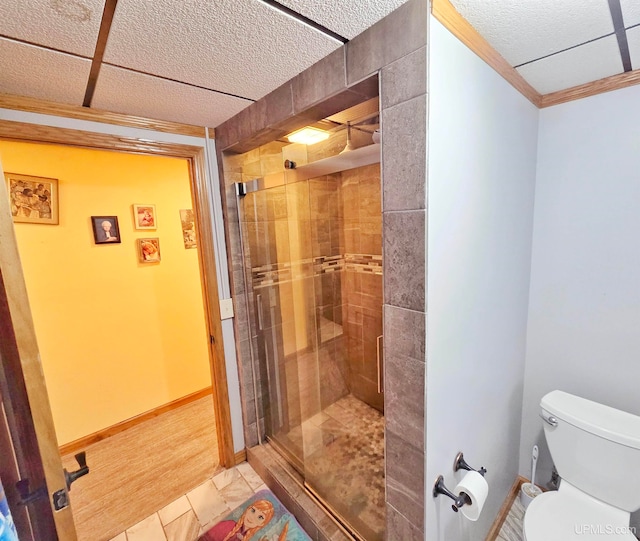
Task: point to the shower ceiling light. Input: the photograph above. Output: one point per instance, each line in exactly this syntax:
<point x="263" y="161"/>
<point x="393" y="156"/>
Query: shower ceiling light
<point x="308" y="136"/>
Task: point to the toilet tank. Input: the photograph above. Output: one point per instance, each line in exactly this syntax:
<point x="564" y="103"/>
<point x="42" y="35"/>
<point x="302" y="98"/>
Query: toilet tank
<point x="596" y="448"/>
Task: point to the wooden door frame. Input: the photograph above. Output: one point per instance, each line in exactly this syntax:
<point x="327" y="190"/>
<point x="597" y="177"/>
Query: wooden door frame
<point x="202" y="196"/>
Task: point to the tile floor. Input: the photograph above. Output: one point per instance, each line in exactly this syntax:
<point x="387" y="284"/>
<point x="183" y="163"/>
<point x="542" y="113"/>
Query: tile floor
<point x="192" y="514"/>
<point x="512" y="527"/>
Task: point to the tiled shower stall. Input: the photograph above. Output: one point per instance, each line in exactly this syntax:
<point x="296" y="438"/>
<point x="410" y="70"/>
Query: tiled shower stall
<point x="386" y="61"/>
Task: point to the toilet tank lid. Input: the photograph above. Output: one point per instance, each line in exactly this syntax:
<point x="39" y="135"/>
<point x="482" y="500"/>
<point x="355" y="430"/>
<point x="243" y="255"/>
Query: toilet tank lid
<point x="604" y="421"/>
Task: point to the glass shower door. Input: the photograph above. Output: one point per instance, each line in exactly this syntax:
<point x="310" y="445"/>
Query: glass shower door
<point x="313" y="264"/>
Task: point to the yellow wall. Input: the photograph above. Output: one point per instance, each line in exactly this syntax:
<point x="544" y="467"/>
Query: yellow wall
<point x="117" y="337"/>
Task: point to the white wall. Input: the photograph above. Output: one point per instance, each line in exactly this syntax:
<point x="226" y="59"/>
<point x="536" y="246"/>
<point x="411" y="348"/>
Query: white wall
<point x="216" y="210"/>
<point x="584" y="315"/>
<point x="482" y="162"/>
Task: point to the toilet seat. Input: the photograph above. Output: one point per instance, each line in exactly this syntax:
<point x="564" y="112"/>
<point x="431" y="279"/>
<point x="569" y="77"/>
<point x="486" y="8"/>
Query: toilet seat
<point x="571" y="514"/>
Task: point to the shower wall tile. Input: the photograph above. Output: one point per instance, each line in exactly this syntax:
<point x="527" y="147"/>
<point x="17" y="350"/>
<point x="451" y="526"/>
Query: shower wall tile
<point x="405" y="259"/>
<point x="404" y="156"/>
<point x="371" y="237"/>
<point x="279" y="104"/>
<point x="404" y="79"/>
<point x="250" y="434"/>
<point x="405" y="332"/>
<point x="325" y="78"/>
<point x="400" y="33"/>
<point x="399" y="528"/>
<point x="405" y="478"/>
<point x="271" y="160"/>
<point x="404" y="397"/>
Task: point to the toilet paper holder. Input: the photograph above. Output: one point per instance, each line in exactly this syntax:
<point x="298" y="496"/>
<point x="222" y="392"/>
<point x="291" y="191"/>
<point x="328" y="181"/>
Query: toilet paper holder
<point x="460" y="464"/>
<point x="463" y="498"/>
<point x="458" y="501"/>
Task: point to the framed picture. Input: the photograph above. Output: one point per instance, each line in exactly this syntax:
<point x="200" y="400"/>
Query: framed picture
<point x="188" y="228"/>
<point x="34" y="200"/>
<point x="144" y="216"/>
<point x="149" y="250"/>
<point x="105" y="229"/>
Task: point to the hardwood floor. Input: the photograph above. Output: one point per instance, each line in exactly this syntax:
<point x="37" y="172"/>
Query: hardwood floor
<point x="141" y="470"/>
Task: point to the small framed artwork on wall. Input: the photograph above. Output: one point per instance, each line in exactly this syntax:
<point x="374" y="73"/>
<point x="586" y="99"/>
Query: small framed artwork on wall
<point x="144" y="216"/>
<point x="188" y="228"/>
<point x="34" y="200"/>
<point x="105" y="229"/>
<point x="149" y="250"/>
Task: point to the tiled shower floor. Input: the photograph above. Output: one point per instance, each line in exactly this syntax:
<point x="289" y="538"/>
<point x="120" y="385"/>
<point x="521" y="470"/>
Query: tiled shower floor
<point x="189" y="516"/>
<point x="342" y="450"/>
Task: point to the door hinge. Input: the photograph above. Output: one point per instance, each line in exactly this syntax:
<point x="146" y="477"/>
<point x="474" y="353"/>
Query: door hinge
<point x="212" y="339"/>
<point x="27" y="497"/>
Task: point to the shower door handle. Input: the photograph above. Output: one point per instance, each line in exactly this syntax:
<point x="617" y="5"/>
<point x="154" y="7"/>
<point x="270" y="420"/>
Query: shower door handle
<point x="259" y="309"/>
<point x="378" y="361"/>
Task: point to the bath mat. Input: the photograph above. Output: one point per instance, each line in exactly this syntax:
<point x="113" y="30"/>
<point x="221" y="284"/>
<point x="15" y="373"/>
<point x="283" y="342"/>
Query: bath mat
<point x="261" y="517"/>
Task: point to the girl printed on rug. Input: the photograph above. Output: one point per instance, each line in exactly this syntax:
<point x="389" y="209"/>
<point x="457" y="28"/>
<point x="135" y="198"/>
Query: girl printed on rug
<point x="261" y="518"/>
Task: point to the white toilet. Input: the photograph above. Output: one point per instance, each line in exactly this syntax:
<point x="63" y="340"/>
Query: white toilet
<point x="596" y="450"/>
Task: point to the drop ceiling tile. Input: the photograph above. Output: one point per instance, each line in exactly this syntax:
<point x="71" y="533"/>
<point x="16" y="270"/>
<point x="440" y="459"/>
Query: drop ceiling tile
<point x="242" y="47"/>
<point x="633" y="38"/>
<point x="123" y="91"/>
<point x="345" y="18"/>
<point x="32" y="71"/>
<point x="525" y="30"/>
<point x="630" y="12"/>
<point x="67" y="25"/>
<point x="577" y="66"/>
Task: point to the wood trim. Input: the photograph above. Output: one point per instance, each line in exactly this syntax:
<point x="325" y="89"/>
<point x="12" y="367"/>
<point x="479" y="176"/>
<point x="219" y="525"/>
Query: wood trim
<point x="36" y="133"/>
<point x="33" y="105"/>
<point x="81" y="443"/>
<point x="444" y="11"/>
<point x="206" y="254"/>
<point x="240" y="457"/>
<point x="504" y="510"/>
<point x="202" y="195"/>
<point x="615" y="82"/>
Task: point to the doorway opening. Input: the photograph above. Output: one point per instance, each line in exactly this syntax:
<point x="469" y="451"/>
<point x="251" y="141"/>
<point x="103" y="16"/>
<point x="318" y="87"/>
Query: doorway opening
<point x="174" y="329"/>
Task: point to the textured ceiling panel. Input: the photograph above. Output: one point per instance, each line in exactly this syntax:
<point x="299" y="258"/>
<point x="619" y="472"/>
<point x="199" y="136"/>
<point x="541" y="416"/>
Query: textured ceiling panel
<point x="345" y="18"/>
<point x="127" y="92"/>
<point x="525" y="30"/>
<point x="630" y="12"/>
<point x="242" y="47"/>
<point x="633" y="38"/>
<point x="574" y="67"/>
<point x="67" y="25"/>
<point x="28" y="70"/>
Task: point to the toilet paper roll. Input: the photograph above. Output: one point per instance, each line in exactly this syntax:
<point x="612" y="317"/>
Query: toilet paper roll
<point x="476" y="487"/>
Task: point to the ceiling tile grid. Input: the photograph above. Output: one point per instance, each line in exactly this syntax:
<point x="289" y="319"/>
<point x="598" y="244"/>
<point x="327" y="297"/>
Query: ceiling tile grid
<point x="630" y="12"/>
<point x="345" y="18"/>
<point x="525" y="30"/>
<point x="32" y="71"/>
<point x="66" y="25"/>
<point x="633" y="38"/>
<point x="127" y="92"/>
<point x="590" y="62"/>
<point x="241" y="47"/>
